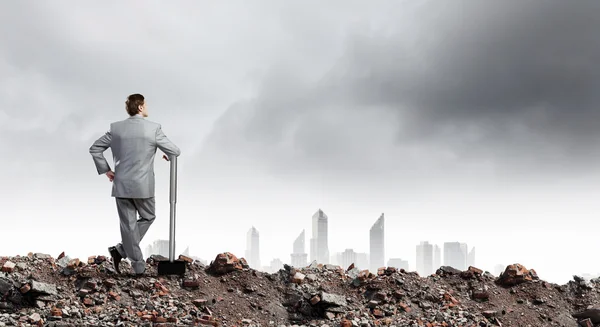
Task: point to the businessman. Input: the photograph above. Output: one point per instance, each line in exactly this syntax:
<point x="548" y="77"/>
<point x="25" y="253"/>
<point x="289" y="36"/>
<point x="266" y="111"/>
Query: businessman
<point x="133" y="143"/>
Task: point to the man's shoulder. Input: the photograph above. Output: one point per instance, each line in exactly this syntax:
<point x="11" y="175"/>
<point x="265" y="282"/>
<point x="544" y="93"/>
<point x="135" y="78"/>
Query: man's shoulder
<point x="152" y="122"/>
<point x="127" y="120"/>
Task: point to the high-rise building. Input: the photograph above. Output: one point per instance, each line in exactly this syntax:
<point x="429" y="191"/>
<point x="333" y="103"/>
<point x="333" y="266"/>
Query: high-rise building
<point x="252" y="248"/>
<point x="160" y="247"/>
<point x="455" y="255"/>
<point x="274" y="267"/>
<point x="377" y="245"/>
<point x="336" y="259"/>
<point x="398" y="263"/>
<point x="437" y="257"/>
<point x="299" y="256"/>
<point x="425" y="259"/>
<point x="348" y="257"/>
<point x="471" y="258"/>
<point x="319" y="244"/>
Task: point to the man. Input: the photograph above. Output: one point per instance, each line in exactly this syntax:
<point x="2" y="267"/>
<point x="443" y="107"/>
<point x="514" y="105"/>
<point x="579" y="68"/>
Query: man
<point x="133" y="143"/>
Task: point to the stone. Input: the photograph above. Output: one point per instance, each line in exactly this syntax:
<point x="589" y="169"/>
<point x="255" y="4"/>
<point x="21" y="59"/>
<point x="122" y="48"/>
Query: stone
<point x="315" y="299"/>
<point x="298" y="278"/>
<point x="224" y="263"/>
<point x="56" y="312"/>
<point x="44" y="288"/>
<point x="516" y="274"/>
<point x="25" y="288"/>
<point x="8" y="266"/>
<point x="333" y="299"/>
<point x="185" y="258"/>
<point x="190" y="283"/>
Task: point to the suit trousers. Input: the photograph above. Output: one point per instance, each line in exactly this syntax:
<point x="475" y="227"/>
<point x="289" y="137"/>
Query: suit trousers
<point x="133" y="230"/>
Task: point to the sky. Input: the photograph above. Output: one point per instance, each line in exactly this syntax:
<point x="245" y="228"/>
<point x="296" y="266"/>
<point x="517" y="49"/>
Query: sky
<point x="470" y="121"/>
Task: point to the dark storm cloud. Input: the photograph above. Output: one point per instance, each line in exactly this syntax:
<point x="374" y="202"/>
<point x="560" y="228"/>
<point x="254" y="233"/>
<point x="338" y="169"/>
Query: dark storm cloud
<point x="499" y="87"/>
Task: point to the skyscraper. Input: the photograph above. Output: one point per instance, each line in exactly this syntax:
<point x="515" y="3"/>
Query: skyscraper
<point x="455" y="255"/>
<point x="160" y="247"/>
<point x="348" y="257"/>
<point x="425" y="259"/>
<point x="252" y="248"/>
<point x="437" y="257"/>
<point x="377" y="245"/>
<point x="319" y="245"/>
<point x="299" y="256"/>
<point x="471" y="258"/>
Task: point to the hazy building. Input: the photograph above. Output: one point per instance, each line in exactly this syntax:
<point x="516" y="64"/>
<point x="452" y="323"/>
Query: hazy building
<point x="274" y="267"/>
<point x="455" y="255"/>
<point x="398" y="263"/>
<point x="377" y="245"/>
<point x="319" y="245"/>
<point x="425" y="259"/>
<point x="471" y="258"/>
<point x="348" y="257"/>
<point x="437" y="257"/>
<point x="299" y="256"/>
<point x="362" y="261"/>
<point x="160" y="247"/>
<point x="252" y="248"/>
<point x="336" y="258"/>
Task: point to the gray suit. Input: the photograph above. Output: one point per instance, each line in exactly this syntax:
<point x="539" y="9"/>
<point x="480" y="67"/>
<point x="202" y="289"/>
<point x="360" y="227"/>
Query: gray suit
<point x="133" y="143"/>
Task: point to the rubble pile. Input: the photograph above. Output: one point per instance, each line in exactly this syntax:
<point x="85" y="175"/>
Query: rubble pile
<point x="39" y="290"/>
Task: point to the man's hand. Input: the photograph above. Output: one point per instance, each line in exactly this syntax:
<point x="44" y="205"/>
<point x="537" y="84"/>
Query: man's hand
<point x="111" y="175"/>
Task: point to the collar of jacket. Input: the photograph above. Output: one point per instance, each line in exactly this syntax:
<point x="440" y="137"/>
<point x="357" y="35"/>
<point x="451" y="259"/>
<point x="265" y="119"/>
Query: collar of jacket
<point x="137" y="116"/>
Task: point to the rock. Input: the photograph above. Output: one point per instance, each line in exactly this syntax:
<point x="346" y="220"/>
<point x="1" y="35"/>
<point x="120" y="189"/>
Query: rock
<point x="43" y="288"/>
<point x="185" y="258"/>
<point x="333" y="299"/>
<point x="516" y="274"/>
<point x="474" y="270"/>
<point x="8" y="267"/>
<point x="225" y="263"/>
<point x="298" y="278"/>
<point x="5" y="286"/>
<point x="25" y="288"/>
<point x="447" y="270"/>
<point x="315" y="299"/>
<point x="593" y="314"/>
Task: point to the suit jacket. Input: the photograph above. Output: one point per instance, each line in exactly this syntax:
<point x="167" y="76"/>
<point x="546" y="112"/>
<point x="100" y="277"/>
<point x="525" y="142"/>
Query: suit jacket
<point x="133" y="143"/>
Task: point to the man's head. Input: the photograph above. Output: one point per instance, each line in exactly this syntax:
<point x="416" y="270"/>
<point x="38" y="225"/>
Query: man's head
<point x="136" y="104"/>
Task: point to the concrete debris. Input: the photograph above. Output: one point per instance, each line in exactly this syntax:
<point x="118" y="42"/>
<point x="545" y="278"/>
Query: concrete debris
<point x="38" y="290"/>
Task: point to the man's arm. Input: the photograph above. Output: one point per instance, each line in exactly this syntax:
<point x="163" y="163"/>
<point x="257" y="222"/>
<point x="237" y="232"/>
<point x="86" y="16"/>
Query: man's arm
<point x="165" y="145"/>
<point x="97" y="151"/>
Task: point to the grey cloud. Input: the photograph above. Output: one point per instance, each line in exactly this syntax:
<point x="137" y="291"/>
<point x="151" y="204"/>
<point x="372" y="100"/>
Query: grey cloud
<point x="495" y="88"/>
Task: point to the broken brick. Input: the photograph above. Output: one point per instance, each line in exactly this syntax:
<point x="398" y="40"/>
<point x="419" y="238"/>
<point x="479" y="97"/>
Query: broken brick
<point x="8" y="267"/>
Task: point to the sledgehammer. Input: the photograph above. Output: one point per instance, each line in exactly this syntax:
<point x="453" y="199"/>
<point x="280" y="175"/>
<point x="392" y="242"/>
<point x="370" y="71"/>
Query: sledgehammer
<point x="172" y="267"/>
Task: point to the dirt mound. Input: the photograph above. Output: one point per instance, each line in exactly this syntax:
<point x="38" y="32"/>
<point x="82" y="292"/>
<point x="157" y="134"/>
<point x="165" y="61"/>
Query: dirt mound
<point x="39" y="290"/>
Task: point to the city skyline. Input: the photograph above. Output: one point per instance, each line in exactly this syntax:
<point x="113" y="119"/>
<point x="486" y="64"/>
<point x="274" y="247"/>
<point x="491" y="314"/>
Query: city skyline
<point x="428" y="256"/>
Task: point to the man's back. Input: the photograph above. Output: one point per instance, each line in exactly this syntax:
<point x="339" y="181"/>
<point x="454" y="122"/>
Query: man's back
<point x="133" y="142"/>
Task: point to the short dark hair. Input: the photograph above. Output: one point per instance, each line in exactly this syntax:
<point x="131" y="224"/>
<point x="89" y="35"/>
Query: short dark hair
<point x="133" y="103"/>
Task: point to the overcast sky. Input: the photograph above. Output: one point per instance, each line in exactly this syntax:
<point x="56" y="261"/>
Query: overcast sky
<point x="470" y="121"/>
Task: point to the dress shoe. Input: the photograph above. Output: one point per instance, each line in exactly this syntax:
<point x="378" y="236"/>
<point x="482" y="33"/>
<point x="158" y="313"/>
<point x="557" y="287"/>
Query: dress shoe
<point x="116" y="256"/>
